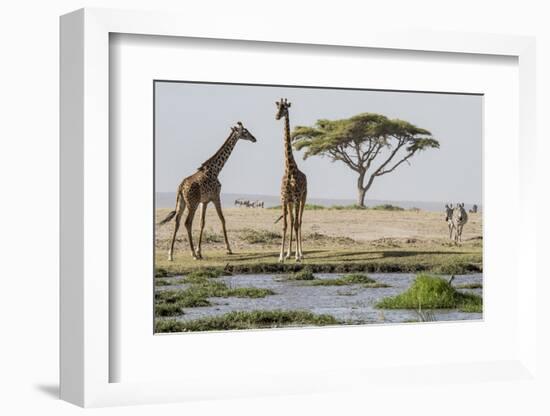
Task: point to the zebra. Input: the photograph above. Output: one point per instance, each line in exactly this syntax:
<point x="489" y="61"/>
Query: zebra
<point x="249" y="204"/>
<point x="459" y="219"/>
<point x="449" y="219"/>
<point x="242" y="202"/>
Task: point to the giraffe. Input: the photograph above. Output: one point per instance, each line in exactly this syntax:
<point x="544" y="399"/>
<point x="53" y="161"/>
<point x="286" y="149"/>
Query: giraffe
<point x="293" y="190"/>
<point x="203" y="187"/>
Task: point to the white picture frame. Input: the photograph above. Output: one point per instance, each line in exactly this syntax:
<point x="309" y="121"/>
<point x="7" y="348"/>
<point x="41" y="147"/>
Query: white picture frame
<point x="86" y="356"/>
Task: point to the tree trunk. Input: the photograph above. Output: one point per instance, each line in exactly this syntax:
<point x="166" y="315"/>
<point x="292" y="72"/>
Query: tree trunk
<point x="361" y="190"/>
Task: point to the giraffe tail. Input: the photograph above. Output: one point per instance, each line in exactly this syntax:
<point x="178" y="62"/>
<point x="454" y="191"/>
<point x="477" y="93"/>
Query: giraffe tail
<point x="172" y="214"/>
<point x="168" y="218"/>
<point x="278" y="219"/>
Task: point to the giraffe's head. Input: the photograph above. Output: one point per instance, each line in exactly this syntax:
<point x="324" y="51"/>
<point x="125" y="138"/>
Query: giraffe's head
<point x="282" y="108"/>
<point x="242" y="132"/>
<point x="448" y="212"/>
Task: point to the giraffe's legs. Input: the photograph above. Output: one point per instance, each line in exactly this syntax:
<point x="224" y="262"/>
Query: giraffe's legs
<point x="302" y="207"/>
<point x="297" y="228"/>
<point x="180" y="207"/>
<point x="203" y="215"/>
<point x="218" y="206"/>
<point x="189" y="227"/>
<point x="292" y="225"/>
<point x="282" y="255"/>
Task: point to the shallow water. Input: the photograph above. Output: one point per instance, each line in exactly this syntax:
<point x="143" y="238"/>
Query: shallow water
<point x="352" y="304"/>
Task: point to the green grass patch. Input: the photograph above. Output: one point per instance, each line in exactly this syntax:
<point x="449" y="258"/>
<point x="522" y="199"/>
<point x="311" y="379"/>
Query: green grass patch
<point x="214" y="289"/>
<point x="314" y="207"/>
<point x="472" y="308"/>
<point x="350" y="279"/>
<point x="168" y="309"/>
<point x="387" y="207"/>
<point x="304" y="274"/>
<point x="452" y="267"/>
<point x="248" y="292"/>
<point x="161" y="272"/>
<point x="162" y="282"/>
<point x="252" y="236"/>
<point x="354" y="258"/>
<point x="183" y="298"/>
<point x="352" y="206"/>
<point x="202" y="275"/>
<point x="357" y="278"/>
<point x="247" y="320"/>
<point x="430" y="292"/>
<point x="170" y="302"/>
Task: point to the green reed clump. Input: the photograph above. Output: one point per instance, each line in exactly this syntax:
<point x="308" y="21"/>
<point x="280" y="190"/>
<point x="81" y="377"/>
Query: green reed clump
<point x="304" y="274"/>
<point x="431" y="292"/>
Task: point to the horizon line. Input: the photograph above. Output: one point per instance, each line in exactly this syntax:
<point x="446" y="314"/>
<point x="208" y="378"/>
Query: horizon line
<point x="345" y="199"/>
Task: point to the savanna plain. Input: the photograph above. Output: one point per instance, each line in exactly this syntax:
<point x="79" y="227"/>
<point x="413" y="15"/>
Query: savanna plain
<point x="380" y="264"/>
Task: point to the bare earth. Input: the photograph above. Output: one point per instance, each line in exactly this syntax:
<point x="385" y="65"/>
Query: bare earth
<point x="407" y="240"/>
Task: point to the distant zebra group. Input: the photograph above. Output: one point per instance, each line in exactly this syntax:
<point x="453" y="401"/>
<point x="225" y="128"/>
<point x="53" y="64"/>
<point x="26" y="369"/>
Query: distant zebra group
<point x="456" y="218"/>
<point x="249" y="204"/>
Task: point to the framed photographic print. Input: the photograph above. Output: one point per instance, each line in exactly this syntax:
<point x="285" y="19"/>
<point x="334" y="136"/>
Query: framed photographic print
<point x="244" y="215"/>
<point x="292" y="242"/>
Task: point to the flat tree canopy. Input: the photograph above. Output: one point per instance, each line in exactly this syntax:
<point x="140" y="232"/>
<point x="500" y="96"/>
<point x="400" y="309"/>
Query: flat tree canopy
<point x="370" y="144"/>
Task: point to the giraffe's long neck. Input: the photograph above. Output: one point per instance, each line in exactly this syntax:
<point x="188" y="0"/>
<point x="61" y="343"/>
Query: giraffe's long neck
<point x="290" y="163"/>
<point x="215" y="164"/>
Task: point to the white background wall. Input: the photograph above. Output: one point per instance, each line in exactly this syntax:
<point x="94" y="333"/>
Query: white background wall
<point x="29" y="185"/>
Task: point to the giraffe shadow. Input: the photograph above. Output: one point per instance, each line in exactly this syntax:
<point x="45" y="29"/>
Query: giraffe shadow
<point x="252" y="256"/>
<point x="373" y="254"/>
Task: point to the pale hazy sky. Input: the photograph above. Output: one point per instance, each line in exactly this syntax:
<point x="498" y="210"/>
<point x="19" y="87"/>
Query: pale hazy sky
<point x="193" y="120"/>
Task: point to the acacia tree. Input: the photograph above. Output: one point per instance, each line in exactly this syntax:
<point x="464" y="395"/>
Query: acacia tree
<point x="370" y="144"/>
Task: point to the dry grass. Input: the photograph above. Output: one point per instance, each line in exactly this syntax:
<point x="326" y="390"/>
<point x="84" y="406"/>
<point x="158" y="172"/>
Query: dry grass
<point x="345" y="240"/>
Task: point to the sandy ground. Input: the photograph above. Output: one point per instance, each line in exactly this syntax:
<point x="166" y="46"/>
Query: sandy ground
<point x="359" y="225"/>
<point x="354" y="239"/>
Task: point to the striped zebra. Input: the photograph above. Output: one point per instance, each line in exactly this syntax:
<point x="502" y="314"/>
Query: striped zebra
<point x="242" y="203"/>
<point x="459" y="218"/>
<point x="449" y="219"/>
